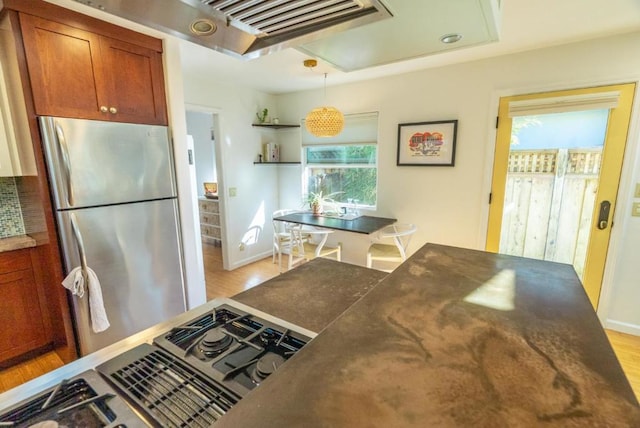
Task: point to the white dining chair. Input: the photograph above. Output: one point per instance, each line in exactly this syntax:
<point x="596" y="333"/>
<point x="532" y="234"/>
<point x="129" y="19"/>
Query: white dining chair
<point x="399" y="235"/>
<point x="281" y="235"/>
<point x="309" y="243"/>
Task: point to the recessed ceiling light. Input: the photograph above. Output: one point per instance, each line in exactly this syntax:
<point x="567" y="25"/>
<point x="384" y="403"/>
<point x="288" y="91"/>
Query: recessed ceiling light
<point x="451" y="38"/>
<point x="203" y="27"/>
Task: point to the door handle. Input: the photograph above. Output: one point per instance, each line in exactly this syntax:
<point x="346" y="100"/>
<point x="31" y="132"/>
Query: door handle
<point x="603" y="217"/>
<point x="83" y="255"/>
<point x="66" y="162"/>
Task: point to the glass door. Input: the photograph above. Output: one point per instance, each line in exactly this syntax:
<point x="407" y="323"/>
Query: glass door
<point x="556" y="171"/>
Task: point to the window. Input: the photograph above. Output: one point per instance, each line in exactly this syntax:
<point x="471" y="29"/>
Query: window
<point x="345" y="166"/>
<point x="349" y="171"/>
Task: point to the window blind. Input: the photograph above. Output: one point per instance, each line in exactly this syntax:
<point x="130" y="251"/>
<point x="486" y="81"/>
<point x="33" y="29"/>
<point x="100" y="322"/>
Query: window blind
<point x="601" y="100"/>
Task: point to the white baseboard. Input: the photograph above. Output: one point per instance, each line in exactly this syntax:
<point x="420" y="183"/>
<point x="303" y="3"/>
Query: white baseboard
<point x="623" y="327"/>
<point x="250" y="260"/>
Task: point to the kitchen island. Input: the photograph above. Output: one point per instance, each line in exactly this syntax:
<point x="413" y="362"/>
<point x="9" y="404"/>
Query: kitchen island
<point x="311" y="296"/>
<point x="314" y="294"/>
<point x="453" y="337"/>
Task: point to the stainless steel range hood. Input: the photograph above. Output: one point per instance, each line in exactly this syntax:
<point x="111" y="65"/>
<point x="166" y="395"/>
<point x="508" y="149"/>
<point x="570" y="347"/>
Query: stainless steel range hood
<point x="247" y="28"/>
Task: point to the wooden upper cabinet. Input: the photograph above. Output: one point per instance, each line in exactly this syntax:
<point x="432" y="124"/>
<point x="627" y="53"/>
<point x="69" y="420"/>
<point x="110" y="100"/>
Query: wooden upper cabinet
<point x="80" y="74"/>
<point x="65" y="68"/>
<point x="137" y="83"/>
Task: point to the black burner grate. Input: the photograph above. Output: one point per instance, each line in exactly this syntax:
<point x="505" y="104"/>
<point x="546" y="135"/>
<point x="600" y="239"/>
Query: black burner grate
<point x="172" y="392"/>
<point x="47" y="407"/>
<point x="185" y="336"/>
<point x="227" y="350"/>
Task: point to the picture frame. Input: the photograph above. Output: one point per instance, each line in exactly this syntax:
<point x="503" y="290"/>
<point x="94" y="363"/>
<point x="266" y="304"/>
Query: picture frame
<point x="427" y="143"/>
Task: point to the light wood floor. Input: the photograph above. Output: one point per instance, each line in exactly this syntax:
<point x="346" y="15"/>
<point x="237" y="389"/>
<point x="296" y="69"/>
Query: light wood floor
<point x="221" y="283"/>
<point x="31" y="369"/>
<point x="627" y="348"/>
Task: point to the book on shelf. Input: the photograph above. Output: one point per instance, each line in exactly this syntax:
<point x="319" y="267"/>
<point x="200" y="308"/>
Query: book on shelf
<point x="271" y="152"/>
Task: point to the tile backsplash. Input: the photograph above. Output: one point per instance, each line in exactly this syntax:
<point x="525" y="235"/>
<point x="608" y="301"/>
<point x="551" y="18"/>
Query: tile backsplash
<point x="11" y="223"/>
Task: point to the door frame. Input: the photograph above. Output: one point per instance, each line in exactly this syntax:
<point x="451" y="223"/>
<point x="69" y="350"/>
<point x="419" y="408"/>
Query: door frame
<point x="216" y="114"/>
<point x="630" y="158"/>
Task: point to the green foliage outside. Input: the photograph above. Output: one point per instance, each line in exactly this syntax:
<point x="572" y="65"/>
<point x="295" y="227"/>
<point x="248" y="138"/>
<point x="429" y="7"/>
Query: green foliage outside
<point x="354" y="183"/>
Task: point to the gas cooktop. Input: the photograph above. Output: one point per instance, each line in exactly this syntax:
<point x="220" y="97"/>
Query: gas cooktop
<point x="190" y="376"/>
<point x="82" y="401"/>
<point x="235" y="348"/>
<point x="197" y="371"/>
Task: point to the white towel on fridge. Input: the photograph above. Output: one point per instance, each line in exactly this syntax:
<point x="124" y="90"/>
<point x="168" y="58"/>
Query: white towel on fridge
<point x="75" y="282"/>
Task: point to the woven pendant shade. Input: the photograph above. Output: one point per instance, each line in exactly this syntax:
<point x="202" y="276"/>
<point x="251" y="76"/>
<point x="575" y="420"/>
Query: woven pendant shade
<point x="324" y="122"/>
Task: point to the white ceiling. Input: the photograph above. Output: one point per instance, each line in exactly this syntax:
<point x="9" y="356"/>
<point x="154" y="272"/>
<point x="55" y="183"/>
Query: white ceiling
<point x="525" y="25"/>
<point x="414" y="31"/>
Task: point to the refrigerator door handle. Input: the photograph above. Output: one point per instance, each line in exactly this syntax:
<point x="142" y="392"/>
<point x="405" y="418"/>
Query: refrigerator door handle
<point x="64" y="151"/>
<point x="78" y="236"/>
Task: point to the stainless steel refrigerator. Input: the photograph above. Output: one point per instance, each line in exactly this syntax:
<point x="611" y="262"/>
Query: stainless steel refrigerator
<point x="115" y="199"/>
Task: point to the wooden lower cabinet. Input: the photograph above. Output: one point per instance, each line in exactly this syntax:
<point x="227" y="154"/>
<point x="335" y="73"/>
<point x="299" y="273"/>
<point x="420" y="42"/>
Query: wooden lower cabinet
<point x="21" y="317"/>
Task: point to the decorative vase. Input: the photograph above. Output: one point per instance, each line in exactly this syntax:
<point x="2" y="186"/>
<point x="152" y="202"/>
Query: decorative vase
<point x="315" y="209"/>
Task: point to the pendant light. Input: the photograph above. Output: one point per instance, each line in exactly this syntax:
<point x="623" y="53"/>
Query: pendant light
<point x="323" y="121"/>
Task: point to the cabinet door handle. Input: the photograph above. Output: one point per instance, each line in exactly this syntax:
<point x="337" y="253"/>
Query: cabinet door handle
<point x="78" y="236"/>
<point x="66" y="162"/>
<point x="113" y="110"/>
<point x="104" y="109"/>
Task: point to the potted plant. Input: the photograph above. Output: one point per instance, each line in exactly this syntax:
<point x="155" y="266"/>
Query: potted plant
<point x="317" y="199"/>
<point x="315" y="202"/>
<point x="262" y="116"/>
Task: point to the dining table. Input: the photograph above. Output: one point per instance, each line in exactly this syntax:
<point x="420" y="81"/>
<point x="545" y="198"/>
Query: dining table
<point x="363" y="224"/>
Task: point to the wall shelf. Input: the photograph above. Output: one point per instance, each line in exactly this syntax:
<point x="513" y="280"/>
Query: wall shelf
<point x="274" y="126"/>
<point x="276" y="163"/>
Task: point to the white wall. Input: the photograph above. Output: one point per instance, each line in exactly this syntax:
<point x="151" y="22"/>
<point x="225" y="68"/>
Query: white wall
<point x="187" y="197"/>
<point x="239" y="146"/>
<point x="620" y="301"/>
<point x="449" y="205"/>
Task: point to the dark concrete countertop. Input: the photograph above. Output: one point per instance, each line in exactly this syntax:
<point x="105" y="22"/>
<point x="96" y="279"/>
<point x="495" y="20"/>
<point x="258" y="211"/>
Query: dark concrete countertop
<point x="313" y="294"/>
<point x="454" y="338"/>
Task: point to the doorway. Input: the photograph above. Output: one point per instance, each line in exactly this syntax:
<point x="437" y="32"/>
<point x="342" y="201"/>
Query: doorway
<point x="203" y="127"/>
<point x="556" y="171"/>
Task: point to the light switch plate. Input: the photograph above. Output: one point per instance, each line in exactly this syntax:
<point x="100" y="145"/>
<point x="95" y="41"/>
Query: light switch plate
<point x="637" y="193"/>
<point x="233" y="191"/>
<point x="635" y="209"/>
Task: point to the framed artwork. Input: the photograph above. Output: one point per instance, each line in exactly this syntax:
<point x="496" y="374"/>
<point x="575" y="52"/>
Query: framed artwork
<point x="427" y="143"/>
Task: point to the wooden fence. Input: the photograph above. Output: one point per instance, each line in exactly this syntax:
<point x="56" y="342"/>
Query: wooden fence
<point x="549" y="204"/>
